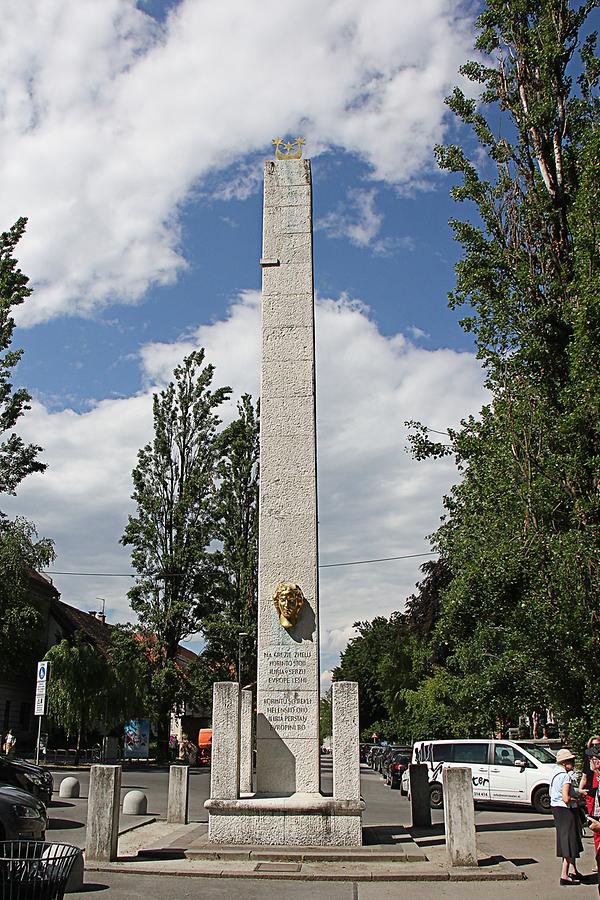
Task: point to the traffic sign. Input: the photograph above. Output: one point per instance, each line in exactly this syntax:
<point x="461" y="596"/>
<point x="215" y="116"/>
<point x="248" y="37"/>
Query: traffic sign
<point x="43" y="674"/>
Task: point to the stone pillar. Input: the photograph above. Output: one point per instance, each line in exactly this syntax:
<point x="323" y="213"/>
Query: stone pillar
<point x="246" y="743"/>
<point x="225" y="754"/>
<point x="288" y="657"/>
<point x="179" y="790"/>
<point x="420" y="805"/>
<point x="346" y="750"/>
<point x="102" y="832"/>
<point x="459" y="816"/>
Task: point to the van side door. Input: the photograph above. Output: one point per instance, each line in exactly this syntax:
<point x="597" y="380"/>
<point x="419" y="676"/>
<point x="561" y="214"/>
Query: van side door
<point x="474" y="754"/>
<point x="508" y="780"/>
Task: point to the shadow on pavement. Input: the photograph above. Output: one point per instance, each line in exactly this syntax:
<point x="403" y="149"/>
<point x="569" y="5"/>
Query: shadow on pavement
<point x="55" y="824"/>
<point x="496" y="860"/>
<point x="392" y="835"/>
<point x="60" y="804"/>
<point x="515" y="826"/>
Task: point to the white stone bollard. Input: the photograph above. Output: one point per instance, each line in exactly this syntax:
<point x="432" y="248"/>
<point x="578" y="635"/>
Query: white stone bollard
<point x="346" y="750"/>
<point x="75" y="881"/>
<point x="69" y="787"/>
<point x="179" y="788"/>
<point x="103" y="813"/>
<point x="246" y="750"/>
<point x="459" y="816"/>
<point x="420" y="804"/>
<point x="52" y="853"/>
<point x="135" y="803"/>
<point x="225" y="756"/>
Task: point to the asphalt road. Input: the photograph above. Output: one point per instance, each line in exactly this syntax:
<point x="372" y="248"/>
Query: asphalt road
<point x="517" y="834"/>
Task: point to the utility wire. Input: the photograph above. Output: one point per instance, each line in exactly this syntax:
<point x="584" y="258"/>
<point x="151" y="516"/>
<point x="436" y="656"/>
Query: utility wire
<point x="355" y="562"/>
<point x="363" y="562"/>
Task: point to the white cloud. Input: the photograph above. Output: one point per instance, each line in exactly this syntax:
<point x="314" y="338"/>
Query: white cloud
<point x="109" y="121"/>
<point x="374" y="500"/>
<point x="358" y="221"/>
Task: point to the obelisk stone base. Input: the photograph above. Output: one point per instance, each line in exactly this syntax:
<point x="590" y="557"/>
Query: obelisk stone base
<point x="302" y="820"/>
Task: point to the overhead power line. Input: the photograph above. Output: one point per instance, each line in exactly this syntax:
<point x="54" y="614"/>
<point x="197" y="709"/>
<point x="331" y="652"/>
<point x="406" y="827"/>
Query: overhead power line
<point x="363" y="562"/>
<point x="354" y="562"/>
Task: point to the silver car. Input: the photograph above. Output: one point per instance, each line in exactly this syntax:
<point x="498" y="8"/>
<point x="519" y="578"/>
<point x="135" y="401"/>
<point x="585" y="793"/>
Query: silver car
<point x="22" y="816"/>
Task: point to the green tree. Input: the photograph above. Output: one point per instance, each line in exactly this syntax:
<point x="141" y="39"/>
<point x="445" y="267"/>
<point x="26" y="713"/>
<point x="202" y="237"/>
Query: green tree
<point x="17" y="459"/>
<point x="78" y="687"/>
<point x="325" y="717"/>
<point x="20" y="548"/>
<point x="20" y="621"/>
<point x="175" y="487"/>
<point x="236" y="583"/>
<point x="518" y="626"/>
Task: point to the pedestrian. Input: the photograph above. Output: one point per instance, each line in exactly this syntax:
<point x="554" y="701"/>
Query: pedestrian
<point x="593" y="755"/>
<point x="565" y="809"/>
<point x="9" y="744"/>
<point x="589" y="778"/>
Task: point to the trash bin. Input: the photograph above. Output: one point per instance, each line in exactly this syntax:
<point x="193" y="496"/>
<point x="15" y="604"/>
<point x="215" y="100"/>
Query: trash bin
<point x="35" y="870"/>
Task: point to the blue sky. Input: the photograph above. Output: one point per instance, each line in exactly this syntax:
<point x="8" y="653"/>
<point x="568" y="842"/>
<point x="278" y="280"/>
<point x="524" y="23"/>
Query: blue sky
<point x="133" y="138"/>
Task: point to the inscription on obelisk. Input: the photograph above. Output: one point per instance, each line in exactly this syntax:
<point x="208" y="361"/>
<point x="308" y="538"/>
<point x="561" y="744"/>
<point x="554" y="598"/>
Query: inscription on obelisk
<point x="288" y="624"/>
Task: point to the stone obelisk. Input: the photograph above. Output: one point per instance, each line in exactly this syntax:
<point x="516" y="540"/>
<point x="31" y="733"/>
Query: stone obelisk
<point x="288" y="657"/>
<point x="287" y="807"/>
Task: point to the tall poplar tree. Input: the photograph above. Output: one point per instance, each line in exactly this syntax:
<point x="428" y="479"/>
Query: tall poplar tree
<point x="175" y="489"/>
<point x="519" y="618"/>
<point x="236" y="586"/>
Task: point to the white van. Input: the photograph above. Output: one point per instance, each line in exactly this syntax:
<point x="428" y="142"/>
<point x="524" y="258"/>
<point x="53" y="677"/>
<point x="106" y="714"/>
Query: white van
<point x="502" y="771"/>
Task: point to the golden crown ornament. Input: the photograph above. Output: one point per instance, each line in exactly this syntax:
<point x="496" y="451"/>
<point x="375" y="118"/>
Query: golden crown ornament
<point x="290" y="152"/>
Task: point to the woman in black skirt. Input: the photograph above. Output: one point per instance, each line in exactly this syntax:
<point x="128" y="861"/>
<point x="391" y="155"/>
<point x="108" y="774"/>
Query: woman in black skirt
<point x="563" y="801"/>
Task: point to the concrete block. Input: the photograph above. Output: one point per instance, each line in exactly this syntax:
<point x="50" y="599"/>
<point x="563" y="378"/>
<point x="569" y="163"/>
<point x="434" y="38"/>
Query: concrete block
<point x="69" y="787"/>
<point x="179" y="789"/>
<point x="246" y="742"/>
<point x="459" y="816"/>
<point x="346" y="752"/>
<point x="225" y="758"/>
<point x="103" y="813"/>
<point x="419" y="795"/>
<point x="135" y="803"/>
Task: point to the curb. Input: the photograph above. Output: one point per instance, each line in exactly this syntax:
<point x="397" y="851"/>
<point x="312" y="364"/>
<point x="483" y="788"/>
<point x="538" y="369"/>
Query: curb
<point x="503" y="872"/>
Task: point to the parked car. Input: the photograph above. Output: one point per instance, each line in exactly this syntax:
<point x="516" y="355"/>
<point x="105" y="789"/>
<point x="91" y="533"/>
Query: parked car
<point x="386" y="759"/>
<point x="396" y="765"/>
<point x="502" y="771"/>
<point x="22" y="816"/>
<point x="35" y="779"/>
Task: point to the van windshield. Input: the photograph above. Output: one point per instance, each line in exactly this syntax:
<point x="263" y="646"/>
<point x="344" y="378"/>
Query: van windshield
<point x="539" y="753"/>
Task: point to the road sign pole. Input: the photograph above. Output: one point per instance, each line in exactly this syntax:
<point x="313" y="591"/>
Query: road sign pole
<point x="37" y="746"/>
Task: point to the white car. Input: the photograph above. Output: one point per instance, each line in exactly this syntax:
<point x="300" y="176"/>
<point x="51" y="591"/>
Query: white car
<point x="502" y="771"/>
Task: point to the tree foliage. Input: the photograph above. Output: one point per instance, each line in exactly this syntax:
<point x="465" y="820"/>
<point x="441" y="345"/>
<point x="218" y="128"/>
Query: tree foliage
<point x="518" y="625"/>
<point x="78" y="686"/>
<point x="175" y="489"/>
<point x="17" y="459"/>
<point x="20" y="548"/>
<point x="20" y="620"/>
<point x="234" y="609"/>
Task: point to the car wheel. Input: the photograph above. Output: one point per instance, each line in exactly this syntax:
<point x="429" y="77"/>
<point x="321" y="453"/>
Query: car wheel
<point x="436" y="796"/>
<point x="541" y="800"/>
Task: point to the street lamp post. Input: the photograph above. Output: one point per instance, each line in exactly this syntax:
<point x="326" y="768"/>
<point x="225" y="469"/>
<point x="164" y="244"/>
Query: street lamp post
<point x="241" y="634"/>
